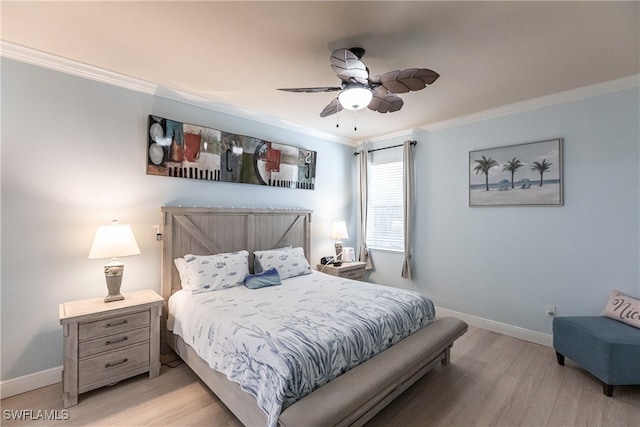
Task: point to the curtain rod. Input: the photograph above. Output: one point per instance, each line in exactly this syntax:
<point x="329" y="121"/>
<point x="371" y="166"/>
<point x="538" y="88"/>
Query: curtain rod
<point x="386" y="148"/>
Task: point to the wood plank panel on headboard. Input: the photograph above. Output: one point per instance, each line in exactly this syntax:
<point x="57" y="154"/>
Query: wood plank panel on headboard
<point x="205" y="231"/>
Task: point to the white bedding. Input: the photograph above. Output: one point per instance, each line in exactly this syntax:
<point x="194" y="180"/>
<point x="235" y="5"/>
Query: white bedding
<point x="282" y="342"/>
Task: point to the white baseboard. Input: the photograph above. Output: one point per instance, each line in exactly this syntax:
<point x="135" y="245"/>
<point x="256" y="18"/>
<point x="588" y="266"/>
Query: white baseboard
<point x="30" y="382"/>
<point x="501" y="328"/>
<point x="47" y="377"/>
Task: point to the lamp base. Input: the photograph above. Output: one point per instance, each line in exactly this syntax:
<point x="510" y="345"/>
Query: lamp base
<point x="338" y="251"/>
<point x="113" y="275"/>
<point x="114" y="297"/>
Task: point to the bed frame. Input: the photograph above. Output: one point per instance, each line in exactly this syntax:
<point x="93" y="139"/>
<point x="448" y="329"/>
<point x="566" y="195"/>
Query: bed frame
<point x="351" y="399"/>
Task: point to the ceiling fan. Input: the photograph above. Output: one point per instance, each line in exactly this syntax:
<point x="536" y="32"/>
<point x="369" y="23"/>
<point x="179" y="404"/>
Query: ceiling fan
<point x="359" y="90"/>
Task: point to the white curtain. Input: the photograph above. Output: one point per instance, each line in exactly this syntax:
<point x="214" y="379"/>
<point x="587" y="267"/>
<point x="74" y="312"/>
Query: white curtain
<point x="408" y="190"/>
<point x="363" y="157"/>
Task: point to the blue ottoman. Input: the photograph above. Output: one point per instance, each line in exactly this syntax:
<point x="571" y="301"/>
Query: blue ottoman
<point x="608" y="349"/>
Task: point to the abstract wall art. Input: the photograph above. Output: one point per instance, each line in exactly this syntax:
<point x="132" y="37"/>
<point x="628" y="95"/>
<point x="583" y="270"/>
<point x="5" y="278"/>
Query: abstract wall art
<point x="183" y="150"/>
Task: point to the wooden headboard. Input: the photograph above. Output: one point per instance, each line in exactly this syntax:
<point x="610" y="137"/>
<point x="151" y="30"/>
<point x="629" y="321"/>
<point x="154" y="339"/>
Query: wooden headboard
<point x="206" y="231"/>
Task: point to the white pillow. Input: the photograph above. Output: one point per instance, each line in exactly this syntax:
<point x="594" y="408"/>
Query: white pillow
<point x="257" y="268"/>
<point x="289" y="262"/>
<point x="623" y="308"/>
<point x="214" y="272"/>
<point x="183" y="271"/>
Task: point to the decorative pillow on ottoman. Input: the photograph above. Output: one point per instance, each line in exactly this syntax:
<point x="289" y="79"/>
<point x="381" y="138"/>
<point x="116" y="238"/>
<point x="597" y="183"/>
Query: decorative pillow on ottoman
<point x="623" y="308"/>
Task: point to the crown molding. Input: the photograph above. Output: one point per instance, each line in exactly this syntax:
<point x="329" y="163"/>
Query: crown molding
<point x="405" y="134"/>
<point x="75" y="68"/>
<point x="623" y="83"/>
<point x="56" y="63"/>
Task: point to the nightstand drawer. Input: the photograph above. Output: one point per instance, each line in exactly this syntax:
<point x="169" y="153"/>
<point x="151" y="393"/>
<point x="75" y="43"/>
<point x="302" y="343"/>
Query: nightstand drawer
<point x="348" y="270"/>
<point x="356" y="274"/>
<point x="112" y="342"/>
<point x="109" y="365"/>
<point x="113" y="325"/>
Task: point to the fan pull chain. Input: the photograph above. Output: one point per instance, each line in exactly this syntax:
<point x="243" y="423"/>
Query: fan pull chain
<point x="337" y="112"/>
<point x="355" y="120"/>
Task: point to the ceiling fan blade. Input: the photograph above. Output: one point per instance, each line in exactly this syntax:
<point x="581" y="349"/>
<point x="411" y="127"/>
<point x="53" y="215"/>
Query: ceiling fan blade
<point x="312" y="89"/>
<point x="426" y="75"/>
<point x="332" y="108"/>
<point x="385" y="102"/>
<point x="348" y="66"/>
<point x="402" y="81"/>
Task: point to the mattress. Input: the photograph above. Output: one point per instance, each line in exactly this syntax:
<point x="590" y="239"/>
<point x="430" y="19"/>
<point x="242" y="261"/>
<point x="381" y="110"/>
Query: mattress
<point x="280" y="343"/>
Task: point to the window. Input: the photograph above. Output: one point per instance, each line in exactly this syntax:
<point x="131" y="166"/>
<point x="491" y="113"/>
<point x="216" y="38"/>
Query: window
<point x="385" y="212"/>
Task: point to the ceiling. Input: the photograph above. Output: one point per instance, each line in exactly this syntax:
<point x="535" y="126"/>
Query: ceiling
<point x="489" y="54"/>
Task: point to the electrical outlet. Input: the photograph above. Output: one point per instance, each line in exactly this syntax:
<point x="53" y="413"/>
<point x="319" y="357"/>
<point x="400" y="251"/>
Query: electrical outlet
<point x="550" y="310"/>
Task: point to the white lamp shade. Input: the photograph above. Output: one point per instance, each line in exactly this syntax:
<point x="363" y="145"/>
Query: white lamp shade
<point x="112" y="241"/>
<point x="355" y="98"/>
<point x="339" y="230"/>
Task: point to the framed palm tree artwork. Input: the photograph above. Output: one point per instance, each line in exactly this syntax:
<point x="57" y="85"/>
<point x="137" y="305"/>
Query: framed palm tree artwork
<point x="527" y="174"/>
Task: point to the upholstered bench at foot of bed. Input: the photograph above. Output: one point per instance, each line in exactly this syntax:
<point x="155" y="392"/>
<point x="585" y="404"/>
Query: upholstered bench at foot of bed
<point x="608" y="349"/>
<point x="372" y="386"/>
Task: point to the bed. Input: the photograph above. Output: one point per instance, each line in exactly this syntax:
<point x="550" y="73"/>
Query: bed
<point x="351" y="398"/>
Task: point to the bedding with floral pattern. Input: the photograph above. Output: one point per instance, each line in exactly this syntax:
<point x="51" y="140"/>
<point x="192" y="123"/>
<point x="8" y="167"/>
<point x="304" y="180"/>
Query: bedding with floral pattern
<point x="282" y="342"/>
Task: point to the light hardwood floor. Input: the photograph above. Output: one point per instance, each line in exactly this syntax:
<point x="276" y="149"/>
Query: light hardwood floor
<point x="493" y="380"/>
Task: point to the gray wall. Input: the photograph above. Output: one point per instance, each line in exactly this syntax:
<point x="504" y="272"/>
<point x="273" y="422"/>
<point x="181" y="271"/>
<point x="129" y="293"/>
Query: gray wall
<point x="506" y="263"/>
<point x="73" y="158"/>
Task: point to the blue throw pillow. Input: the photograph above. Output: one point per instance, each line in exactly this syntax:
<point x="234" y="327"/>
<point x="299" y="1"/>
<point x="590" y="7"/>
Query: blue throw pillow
<point x="263" y="279"/>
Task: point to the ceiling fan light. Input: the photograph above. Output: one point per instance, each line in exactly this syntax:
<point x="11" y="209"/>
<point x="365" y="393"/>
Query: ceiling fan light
<point x="355" y="98"/>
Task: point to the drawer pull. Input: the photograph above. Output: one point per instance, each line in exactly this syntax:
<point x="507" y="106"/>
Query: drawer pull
<point x="122" y="322"/>
<point x="109" y="342"/>
<point x="111" y="365"/>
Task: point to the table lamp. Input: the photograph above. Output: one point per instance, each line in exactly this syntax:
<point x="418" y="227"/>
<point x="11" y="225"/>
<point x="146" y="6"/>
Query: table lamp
<point x="339" y="231"/>
<point x="113" y="241"/>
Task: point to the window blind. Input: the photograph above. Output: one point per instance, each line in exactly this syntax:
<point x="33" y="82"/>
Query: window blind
<point x="385" y="205"/>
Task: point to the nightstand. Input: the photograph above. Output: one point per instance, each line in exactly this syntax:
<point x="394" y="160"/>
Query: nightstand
<point x="349" y="270"/>
<point x="107" y="342"/>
